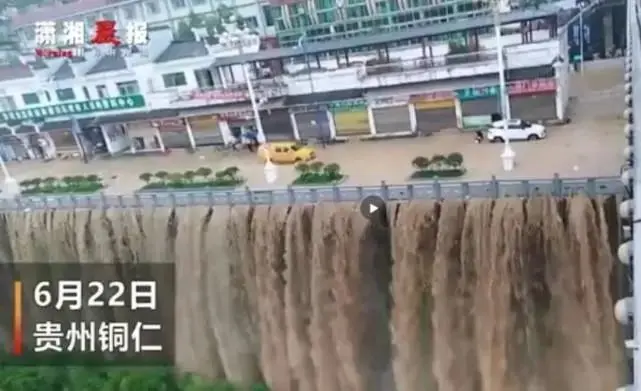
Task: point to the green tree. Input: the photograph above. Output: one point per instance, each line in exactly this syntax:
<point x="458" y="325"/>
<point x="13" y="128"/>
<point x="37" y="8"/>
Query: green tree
<point x="455" y="159"/>
<point x="184" y="32"/>
<point x="420" y="163"/>
<point x="190" y="175"/>
<point x="68" y="180"/>
<point x="302" y="168"/>
<point x="146" y="177"/>
<point x="50" y="181"/>
<point x="214" y="25"/>
<point x="316" y="167"/>
<point x="438" y="161"/>
<point x="332" y="170"/>
<point x="195" y="20"/>
<point x="36" y="182"/>
<point x="93" y="178"/>
<point x="232" y="171"/>
<point x="162" y="175"/>
<point x="204" y="172"/>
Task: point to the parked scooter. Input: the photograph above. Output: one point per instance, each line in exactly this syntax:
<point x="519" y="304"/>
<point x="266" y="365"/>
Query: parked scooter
<point x="478" y="138"/>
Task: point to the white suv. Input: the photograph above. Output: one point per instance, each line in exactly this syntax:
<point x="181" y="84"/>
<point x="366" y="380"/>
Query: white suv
<point x="517" y="129"/>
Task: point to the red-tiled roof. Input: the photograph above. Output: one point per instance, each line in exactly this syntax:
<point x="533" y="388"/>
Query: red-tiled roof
<point x="57" y="11"/>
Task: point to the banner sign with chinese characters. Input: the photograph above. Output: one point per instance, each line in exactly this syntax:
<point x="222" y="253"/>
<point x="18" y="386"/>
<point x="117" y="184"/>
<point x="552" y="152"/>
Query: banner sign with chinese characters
<point x="520" y="87"/>
<point x="389" y="101"/>
<point x="75" y="108"/>
<point x="131" y="322"/>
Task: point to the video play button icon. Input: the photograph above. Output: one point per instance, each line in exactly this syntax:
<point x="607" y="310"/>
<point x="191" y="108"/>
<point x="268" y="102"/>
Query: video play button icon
<point x="372" y="207"/>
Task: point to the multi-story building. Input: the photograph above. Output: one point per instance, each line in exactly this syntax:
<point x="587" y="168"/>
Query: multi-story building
<point x="317" y="19"/>
<point x="157" y="13"/>
<point x="194" y="93"/>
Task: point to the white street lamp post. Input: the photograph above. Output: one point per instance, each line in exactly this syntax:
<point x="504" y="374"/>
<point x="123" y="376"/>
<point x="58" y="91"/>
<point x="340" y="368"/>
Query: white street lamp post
<point x="235" y="40"/>
<point x="10" y="186"/>
<point x="270" y="169"/>
<point x="508" y="154"/>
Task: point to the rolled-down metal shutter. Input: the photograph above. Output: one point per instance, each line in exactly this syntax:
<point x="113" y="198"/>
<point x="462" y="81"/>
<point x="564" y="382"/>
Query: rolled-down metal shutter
<point x="313" y="124"/>
<point x="64" y="140"/>
<point x="277" y="124"/>
<point x="206" y="130"/>
<point x="174" y="134"/>
<point x="435" y="116"/>
<point x="486" y="106"/>
<point x="394" y="119"/>
<point x="351" y="121"/>
<point x="534" y="107"/>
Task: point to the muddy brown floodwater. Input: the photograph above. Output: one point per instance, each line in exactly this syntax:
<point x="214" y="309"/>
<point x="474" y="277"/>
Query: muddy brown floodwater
<point x="481" y="295"/>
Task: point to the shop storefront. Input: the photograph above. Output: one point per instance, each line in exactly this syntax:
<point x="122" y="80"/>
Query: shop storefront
<point x="435" y="111"/>
<point x="65" y="142"/>
<point x="277" y="124"/>
<point x="312" y="122"/>
<point x="173" y="133"/>
<point x="391" y="115"/>
<point x="532" y="100"/>
<point x="144" y="137"/>
<point x="12" y="148"/>
<point x="206" y="130"/>
<point x="38" y="146"/>
<point x="350" y="117"/>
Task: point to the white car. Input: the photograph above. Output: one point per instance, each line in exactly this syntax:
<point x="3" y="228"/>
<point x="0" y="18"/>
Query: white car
<point x="517" y="129"/>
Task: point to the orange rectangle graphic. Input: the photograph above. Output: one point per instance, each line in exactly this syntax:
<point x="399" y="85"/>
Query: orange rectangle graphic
<point x="17" y="318"/>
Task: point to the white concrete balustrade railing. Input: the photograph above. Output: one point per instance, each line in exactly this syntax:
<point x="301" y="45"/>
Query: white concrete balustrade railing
<point x="423" y="69"/>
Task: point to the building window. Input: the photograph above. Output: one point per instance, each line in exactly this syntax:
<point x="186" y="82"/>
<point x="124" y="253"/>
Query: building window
<point x="204" y="78"/>
<point x="267" y="15"/>
<point x="7" y="103"/>
<point x="65" y="94"/>
<point x="177" y="4"/>
<point x="30" y="98"/>
<point x="30" y="33"/>
<point x="128" y="88"/>
<point x="152" y="8"/>
<point x="174" y="79"/>
<point x="198" y="2"/>
<point x="108" y="16"/>
<point x="130" y="12"/>
<point x="85" y="91"/>
<point x="102" y="91"/>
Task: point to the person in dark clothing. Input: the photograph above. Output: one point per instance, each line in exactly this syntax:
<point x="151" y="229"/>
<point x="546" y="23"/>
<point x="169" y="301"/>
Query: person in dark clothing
<point x="252" y="138"/>
<point x="479" y="137"/>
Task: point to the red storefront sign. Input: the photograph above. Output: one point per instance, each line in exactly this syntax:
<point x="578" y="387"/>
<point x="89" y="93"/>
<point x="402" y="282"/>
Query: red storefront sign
<point x="532" y="86"/>
<point x="431" y="96"/>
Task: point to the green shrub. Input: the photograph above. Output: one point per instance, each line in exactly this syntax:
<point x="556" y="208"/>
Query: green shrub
<point x="67" y="185"/>
<point x="439" y="166"/>
<point x="194" y="179"/>
<point x="317" y="173"/>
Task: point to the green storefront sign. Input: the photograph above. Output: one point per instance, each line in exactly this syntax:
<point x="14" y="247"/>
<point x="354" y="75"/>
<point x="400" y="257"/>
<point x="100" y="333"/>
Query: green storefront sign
<point x="477" y="93"/>
<point x="74" y="108"/>
<point x="348" y="105"/>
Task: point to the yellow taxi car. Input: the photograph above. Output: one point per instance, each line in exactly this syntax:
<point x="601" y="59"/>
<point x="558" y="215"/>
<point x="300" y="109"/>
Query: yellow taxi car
<point x="286" y="153"/>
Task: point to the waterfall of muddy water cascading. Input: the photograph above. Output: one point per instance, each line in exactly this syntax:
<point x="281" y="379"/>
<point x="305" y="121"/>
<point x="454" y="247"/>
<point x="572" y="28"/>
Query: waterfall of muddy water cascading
<point x="476" y="254"/>
<point x="196" y="347"/>
<point x="323" y="301"/>
<point x="581" y="301"/>
<point x="354" y="252"/>
<point x="452" y="287"/>
<point x="269" y="253"/>
<point x="7" y="276"/>
<point x="298" y="305"/>
<point x="414" y="235"/>
<point x="232" y="278"/>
